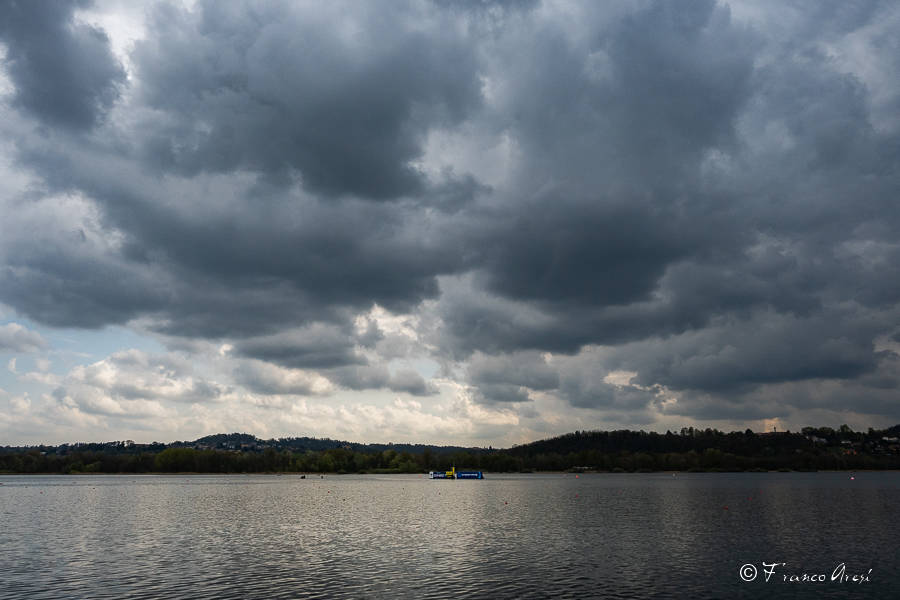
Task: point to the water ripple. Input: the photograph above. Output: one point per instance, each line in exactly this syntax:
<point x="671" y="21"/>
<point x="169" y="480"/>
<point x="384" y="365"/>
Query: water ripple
<point x="599" y="536"/>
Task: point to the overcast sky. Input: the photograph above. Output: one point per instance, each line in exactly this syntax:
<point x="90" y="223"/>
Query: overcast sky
<point x="464" y="222"/>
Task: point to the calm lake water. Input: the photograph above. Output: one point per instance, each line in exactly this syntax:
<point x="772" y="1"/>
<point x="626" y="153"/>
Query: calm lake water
<point x="525" y="536"/>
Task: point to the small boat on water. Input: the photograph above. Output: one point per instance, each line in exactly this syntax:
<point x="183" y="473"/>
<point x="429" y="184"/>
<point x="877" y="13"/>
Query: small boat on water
<point x="454" y="474"/>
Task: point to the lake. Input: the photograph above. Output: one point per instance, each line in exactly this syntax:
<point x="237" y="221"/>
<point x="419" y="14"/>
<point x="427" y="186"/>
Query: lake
<point x="507" y="536"/>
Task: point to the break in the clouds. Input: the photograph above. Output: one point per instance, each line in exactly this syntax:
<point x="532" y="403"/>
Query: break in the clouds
<point x="463" y="222"/>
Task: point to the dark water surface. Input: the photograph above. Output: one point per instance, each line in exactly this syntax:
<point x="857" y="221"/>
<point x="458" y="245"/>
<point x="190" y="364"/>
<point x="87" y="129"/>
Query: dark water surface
<point x="527" y="536"/>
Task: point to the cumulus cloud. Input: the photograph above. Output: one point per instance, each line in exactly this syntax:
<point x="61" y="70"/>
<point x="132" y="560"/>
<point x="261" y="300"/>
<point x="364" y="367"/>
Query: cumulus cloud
<point x="133" y="380"/>
<point x="266" y="378"/>
<point x="16" y="338"/>
<point x="410" y="381"/>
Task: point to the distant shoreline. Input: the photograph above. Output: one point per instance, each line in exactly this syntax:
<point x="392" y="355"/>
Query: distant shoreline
<point x="623" y="451"/>
<point x="296" y="475"/>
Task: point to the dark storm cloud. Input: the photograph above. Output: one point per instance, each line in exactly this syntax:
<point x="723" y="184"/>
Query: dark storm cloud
<point x="271" y="89"/>
<point x="204" y="260"/>
<point x="739" y="215"/>
<point x="482" y="8"/>
<point x="63" y="72"/>
<point x="314" y="347"/>
<point x="213" y="262"/>
<point x="264" y="378"/>
<point x="500" y="379"/>
<point x="621" y="123"/>
<point x="366" y="377"/>
<point x="336" y="254"/>
<point x="615" y="130"/>
<point x="871" y="394"/>
<point x="560" y="251"/>
<point x="625" y="105"/>
<point x="60" y="285"/>
<point x="712" y="202"/>
<point x="409" y="381"/>
<point x="455" y="193"/>
<point x="590" y="391"/>
<point x="765" y="348"/>
<point x="494" y="393"/>
<point x="525" y="369"/>
<point x="753" y="406"/>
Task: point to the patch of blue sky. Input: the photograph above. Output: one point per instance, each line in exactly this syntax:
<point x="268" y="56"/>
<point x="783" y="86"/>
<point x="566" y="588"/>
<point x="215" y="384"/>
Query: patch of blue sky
<point x="66" y="349"/>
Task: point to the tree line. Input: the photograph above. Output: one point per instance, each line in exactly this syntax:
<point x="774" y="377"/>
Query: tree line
<point x="688" y="450"/>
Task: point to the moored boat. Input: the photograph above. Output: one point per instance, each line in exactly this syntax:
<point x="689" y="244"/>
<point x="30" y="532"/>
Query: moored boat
<point x="454" y="474"/>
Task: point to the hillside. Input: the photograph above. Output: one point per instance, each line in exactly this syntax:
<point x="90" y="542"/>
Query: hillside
<point x="624" y="450"/>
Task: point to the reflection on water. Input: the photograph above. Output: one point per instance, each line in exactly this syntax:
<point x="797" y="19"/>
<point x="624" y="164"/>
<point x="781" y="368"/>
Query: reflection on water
<point x="529" y="536"/>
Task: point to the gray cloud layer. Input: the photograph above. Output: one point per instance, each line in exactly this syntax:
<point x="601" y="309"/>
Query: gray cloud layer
<point x="710" y="199"/>
<point x="63" y="71"/>
<point x="279" y="90"/>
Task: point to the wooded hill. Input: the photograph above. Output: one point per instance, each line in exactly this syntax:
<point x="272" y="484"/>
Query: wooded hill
<point x="689" y="449"/>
